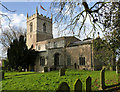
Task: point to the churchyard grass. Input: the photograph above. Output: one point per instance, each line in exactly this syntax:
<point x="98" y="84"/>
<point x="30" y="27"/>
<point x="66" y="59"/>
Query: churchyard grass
<point x="51" y="80"/>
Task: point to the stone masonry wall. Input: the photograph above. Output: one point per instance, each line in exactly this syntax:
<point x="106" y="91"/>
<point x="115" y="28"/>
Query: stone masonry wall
<point x="76" y="52"/>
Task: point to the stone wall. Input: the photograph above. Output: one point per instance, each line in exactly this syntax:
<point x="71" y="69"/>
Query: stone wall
<point x="56" y="44"/>
<point x="64" y="46"/>
<point x="37" y="66"/>
<point x="73" y="53"/>
<point x="78" y="51"/>
<point x="31" y="36"/>
<point x="51" y="53"/>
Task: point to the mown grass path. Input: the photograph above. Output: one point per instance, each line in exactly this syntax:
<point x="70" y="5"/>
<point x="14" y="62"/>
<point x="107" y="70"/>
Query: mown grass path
<point x="51" y="80"/>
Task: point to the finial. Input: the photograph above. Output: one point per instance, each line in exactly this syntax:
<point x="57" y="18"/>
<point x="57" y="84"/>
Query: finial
<point x="36" y="10"/>
<point x="98" y="35"/>
<point x="27" y="14"/>
<point x="51" y="15"/>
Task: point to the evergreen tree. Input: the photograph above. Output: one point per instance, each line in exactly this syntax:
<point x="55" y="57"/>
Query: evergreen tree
<point x="19" y="55"/>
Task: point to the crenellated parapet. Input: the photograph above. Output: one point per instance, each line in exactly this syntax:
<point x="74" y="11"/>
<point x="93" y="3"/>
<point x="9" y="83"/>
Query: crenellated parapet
<point x="40" y="16"/>
<point x="39" y="28"/>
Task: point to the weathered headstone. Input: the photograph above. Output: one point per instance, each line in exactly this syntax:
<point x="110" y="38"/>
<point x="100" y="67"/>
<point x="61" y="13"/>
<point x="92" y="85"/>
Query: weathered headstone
<point x="75" y="66"/>
<point x="45" y="69"/>
<point x="78" y="86"/>
<point x="26" y="70"/>
<point x="102" y="79"/>
<point x="51" y="68"/>
<point x="63" y="87"/>
<point x="88" y="84"/>
<point x="62" y="72"/>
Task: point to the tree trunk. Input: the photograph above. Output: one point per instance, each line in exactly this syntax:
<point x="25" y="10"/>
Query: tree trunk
<point x="113" y="61"/>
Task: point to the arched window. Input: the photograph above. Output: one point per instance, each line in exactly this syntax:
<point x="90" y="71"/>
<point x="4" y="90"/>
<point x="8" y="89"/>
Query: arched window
<point x="31" y="27"/>
<point x="44" y="27"/>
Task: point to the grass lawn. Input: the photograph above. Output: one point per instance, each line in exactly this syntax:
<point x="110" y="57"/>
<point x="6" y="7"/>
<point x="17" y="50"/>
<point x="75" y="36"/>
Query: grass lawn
<point x="51" y="80"/>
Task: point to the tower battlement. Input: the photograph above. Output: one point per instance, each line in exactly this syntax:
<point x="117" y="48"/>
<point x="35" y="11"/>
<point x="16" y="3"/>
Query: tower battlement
<point x="39" y="28"/>
<point x="37" y="15"/>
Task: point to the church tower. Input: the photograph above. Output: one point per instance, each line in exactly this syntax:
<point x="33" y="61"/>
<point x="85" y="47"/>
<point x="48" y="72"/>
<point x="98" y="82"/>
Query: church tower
<point x="39" y="28"/>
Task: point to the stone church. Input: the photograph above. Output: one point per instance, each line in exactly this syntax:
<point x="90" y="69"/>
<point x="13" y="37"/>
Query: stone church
<point x="55" y="53"/>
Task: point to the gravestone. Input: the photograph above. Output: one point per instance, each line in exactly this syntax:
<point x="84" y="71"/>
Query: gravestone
<point x="62" y="72"/>
<point x="26" y="70"/>
<point x="102" y="79"/>
<point x="88" y="84"/>
<point x="63" y="87"/>
<point x="51" y="68"/>
<point x="78" y="86"/>
<point x="45" y="69"/>
<point x="75" y="66"/>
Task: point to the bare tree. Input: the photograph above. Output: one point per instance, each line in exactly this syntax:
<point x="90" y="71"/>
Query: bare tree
<point x="102" y="15"/>
<point x="2" y="15"/>
<point x="73" y="15"/>
<point x="8" y="35"/>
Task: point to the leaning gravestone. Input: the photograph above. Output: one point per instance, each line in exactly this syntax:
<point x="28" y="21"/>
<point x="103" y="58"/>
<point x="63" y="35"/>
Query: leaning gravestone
<point x="63" y="87"/>
<point x="62" y="72"/>
<point x="78" y="86"/>
<point x="88" y="84"/>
